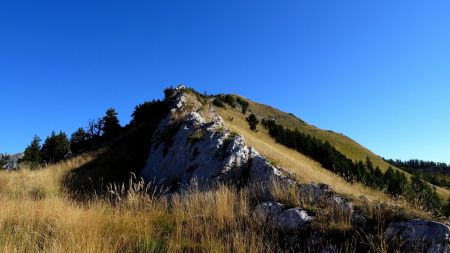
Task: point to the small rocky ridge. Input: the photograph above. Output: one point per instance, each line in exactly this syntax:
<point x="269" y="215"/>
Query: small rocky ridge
<point x="188" y="147"/>
<point x="11" y="161"/>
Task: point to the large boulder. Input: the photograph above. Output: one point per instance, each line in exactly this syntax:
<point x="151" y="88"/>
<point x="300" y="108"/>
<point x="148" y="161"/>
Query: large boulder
<point x="419" y="235"/>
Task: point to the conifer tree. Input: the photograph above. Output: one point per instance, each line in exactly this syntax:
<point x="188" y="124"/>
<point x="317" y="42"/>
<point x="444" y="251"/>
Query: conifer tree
<point x="111" y="127"/>
<point x="32" y="154"/>
<point x="252" y="121"/>
<point x="55" y="147"/>
<point x="79" y="141"/>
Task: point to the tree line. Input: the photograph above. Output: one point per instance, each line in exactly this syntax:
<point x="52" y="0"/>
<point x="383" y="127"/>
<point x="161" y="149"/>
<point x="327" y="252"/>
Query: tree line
<point x="97" y="134"/>
<point x="392" y="181"/>
<point x="419" y="164"/>
<point x="58" y="146"/>
<point x="436" y="173"/>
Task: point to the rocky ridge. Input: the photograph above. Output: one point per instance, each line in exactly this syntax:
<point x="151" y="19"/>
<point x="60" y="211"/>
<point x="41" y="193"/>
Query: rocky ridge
<point x="190" y="148"/>
<point x="192" y="145"/>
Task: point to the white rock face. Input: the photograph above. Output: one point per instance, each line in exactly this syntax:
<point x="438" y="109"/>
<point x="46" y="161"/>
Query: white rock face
<point x="187" y="147"/>
<point x="420" y="235"/>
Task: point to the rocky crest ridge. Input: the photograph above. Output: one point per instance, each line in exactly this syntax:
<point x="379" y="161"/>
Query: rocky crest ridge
<point x="188" y="147"/>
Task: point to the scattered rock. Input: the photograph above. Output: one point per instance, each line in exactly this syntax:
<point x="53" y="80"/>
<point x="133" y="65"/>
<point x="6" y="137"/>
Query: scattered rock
<point x="288" y="221"/>
<point x="359" y="220"/>
<point x="339" y="202"/>
<point x="292" y="220"/>
<point x="314" y="193"/>
<point x="267" y="211"/>
<point x="323" y="194"/>
<point x="419" y="235"/>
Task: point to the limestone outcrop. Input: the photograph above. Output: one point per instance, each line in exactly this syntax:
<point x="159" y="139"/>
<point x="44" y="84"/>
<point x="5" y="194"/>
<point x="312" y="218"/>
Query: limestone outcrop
<point x="188" y="147"/>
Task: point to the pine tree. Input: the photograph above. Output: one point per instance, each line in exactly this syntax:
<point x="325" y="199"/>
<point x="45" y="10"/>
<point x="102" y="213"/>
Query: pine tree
<point x="111" y="127"/>
<point x="55" y="147"/>
<point x="32" y="154"/>
<point x="79" y="141"/>
<point x="252" y="121"/>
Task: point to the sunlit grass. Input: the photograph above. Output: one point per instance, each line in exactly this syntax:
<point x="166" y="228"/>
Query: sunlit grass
<point x="342" y="143"/>
<point x="306" y="169"/>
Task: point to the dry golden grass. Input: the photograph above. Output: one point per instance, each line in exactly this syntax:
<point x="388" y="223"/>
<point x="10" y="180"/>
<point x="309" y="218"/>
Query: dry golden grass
<point x="36" y="216"/>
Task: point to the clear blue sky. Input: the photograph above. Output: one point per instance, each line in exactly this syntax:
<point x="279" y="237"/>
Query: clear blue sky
<point x="377" y="71"/>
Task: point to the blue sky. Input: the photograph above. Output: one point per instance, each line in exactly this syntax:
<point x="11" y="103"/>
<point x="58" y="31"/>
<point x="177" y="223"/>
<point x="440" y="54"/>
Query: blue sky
<point x="377" y="71"/>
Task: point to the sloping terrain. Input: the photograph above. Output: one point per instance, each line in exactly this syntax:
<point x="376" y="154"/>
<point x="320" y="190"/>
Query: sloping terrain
<point x="342" y="143"/>
<point x="305" y="168"/>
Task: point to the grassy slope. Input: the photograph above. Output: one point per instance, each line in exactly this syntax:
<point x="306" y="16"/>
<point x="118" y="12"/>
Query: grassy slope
<point x="307" y="169"/>
<point x="342" y="143"/>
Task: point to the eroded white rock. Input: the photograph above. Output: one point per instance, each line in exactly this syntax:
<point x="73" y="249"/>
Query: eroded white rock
<point x="188" y="147"/>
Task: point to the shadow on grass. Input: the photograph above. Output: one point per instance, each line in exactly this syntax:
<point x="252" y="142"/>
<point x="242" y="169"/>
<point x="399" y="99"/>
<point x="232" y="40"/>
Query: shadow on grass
<point x="113" y="165"/>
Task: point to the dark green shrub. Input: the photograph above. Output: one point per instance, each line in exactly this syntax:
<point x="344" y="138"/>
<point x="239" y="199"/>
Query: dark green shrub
<point x="252" y="121"/>
<point x="217" y="102"/>
<point x="244" y="104"/>
<point x="230" y="100"/>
